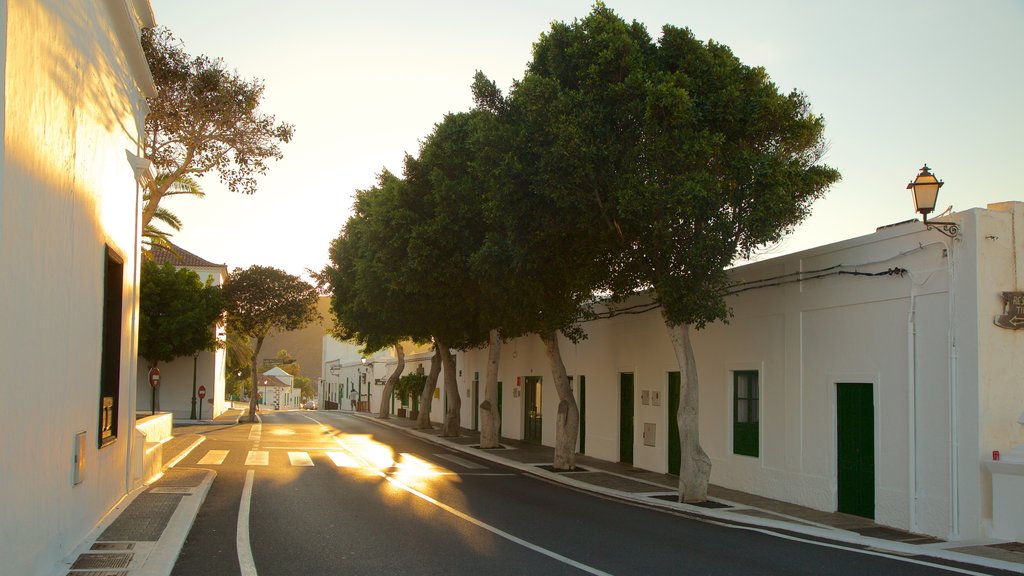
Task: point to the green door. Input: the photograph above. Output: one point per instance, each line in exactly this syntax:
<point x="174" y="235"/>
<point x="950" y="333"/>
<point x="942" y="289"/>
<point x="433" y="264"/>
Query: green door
<point x="855" y="450"/>
<point x="583" y="414"/>
<point x="476" y="402"/>
<point x="499" y="409"/>
<point x="674" y="450"/>
<point x="626" y="418"/>
<point x="533" y="412"/>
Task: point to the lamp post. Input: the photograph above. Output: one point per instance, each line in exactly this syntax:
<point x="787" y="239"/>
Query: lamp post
<point x="925" y="189"/>
<point x="195" y="360"/>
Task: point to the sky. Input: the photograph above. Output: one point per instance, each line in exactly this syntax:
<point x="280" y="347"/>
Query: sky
<point x="898" y="82"/>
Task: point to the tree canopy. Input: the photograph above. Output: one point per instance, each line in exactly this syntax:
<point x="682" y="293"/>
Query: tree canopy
<point x="260" y="299"/>
<point x="205" y="118"/>
<point x="178" y="313"/>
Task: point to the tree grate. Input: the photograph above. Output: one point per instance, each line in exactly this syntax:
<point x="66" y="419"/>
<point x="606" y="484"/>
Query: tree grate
<point x="112" y="546"/>
<point x="89" y="561"/>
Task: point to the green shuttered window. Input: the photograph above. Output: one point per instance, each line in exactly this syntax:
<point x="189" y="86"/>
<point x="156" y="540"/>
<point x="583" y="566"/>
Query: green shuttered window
<point x="745" y="433"/>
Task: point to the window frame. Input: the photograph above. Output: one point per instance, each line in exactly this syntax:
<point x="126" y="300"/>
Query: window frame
<point x="746" y="417"/>
<point x="111" y="340"/>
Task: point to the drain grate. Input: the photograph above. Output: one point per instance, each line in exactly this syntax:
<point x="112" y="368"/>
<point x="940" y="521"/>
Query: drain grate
<point x="100" y="573"/>
<point x="89" y="561"/>
<point x="113" y="546"/>
<point x="172" y="490"/>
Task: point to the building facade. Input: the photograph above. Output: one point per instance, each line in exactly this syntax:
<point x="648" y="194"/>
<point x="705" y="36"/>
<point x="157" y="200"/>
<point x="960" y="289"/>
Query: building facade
<point x="868" y="376"/>
<point x="206" y="369"/>
<point x="73" y="101"/>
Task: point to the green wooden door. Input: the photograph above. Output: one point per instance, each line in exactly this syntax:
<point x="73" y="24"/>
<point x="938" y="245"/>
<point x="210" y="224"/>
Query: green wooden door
<point x="626" y="418"/>
<point x="583" y="414"/>
<point x="855" y="450"/>
<point x="674" y="450"/>
<point x="533" y="410"/>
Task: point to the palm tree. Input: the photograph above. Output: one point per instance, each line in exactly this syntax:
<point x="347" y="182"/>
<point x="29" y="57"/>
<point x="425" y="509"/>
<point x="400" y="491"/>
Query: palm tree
<point x="152" y="235"/>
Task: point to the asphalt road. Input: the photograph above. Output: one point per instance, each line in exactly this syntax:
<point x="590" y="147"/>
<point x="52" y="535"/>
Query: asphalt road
<point x="342" y="495"/>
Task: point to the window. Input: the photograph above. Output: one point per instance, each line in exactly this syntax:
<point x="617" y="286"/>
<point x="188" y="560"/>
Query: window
<point x="745" y="435"/>
<point x="110" y="361"/>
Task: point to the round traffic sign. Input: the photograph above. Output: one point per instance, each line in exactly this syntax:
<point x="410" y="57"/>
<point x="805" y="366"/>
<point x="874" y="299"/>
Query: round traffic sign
<point x="202" y="392"/>
<point x="154" y="377"/>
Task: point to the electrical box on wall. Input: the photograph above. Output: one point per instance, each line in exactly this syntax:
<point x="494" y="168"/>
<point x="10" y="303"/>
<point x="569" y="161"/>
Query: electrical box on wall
<point x="649" y="433"/>
<point x="656" y="397"/>
<point x="77" y="458"/>
<point x="645" y="397"/>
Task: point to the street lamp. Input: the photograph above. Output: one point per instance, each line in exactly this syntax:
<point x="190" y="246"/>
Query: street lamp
<point x="195" y="360"/>
<point x="925" y="189"/>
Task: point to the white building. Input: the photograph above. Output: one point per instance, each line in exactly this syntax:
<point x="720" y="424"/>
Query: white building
<point x="73" y="99"/>
<point x="865" y="376"/>
<point x="277" y="389"/>
<point x="205" y="370"/>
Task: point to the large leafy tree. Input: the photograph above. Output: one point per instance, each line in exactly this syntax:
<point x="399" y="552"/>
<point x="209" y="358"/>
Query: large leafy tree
<point x="205" y="118"/>
<point x="687" y="158"/>
<point x="178" y="313"/>
<point x="261" y="299"/>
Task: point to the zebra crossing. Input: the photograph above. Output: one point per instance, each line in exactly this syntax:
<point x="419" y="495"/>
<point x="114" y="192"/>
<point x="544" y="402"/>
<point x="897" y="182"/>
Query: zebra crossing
<point x="340" y="459"/>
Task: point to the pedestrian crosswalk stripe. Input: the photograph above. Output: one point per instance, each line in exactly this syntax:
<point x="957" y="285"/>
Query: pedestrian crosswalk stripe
<point x="214" y="457"/>
<point x="257" y="458"/>
<point x="300" y="459"/>
<point x="342" y="460"/>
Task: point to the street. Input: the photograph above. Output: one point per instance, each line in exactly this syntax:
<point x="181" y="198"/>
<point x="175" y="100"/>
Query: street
<point x="327" y="493"/>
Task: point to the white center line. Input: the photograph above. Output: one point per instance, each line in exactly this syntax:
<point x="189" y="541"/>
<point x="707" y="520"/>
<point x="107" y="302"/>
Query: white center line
<point x="462" y="461"/>
<point x="242" y="544"/>
<point x="476" y="522"/>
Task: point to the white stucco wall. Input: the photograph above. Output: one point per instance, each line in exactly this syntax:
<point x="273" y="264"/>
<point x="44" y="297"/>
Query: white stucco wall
<point x="176" y="376"/>
<point x="72" y="110"/>
<point x="806" y="337"/>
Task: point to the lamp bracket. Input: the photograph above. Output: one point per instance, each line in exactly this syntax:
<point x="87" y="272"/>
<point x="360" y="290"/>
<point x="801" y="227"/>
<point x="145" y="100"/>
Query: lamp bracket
<point x="947" y="229"/>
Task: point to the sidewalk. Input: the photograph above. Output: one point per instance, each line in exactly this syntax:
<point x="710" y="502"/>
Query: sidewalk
<point x="624" y="482"/>
<point x="144" y="533"/>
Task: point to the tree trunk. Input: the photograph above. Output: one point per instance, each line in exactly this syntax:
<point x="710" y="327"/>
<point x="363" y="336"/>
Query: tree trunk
<point x="490" y="419"/>
<point x="452" y="427"/>
<point x="255" y="392"/>
<point x="427" y="396"/>
<point x="694" y="466"/>
<point x="567" y="422"/>
<point x="389" y="386"/>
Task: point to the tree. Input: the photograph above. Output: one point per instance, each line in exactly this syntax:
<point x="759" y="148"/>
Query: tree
<point x="686" y="157"/>
<point x="178" y="313"/>
<point x="205" y="118"/>
<point x="260" y="299"/>
<point x="152" y="234"/>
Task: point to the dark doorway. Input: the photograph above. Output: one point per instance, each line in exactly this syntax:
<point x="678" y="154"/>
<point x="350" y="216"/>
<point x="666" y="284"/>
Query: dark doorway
<point x="533" y="411"/>
<point x="626" y="418"/>
<point x="674" y="450"/>
<point x="855" y="450"/>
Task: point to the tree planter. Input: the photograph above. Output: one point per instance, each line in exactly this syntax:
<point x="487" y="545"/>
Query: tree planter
<point x="414" y="414"/>
<point x="401" y="412"/>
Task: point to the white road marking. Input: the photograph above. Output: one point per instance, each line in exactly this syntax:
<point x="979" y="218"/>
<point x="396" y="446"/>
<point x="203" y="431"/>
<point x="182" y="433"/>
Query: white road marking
<point x="494" y="530"/>
<point x="242" y="544"/>
<point x="300" y="459"/>
<point x="215" y="457"/>
<point x="257" y="458"/>
<point x="462" y="462"/>
<point x="256" y="430"/>
<point x="342" y="459"/>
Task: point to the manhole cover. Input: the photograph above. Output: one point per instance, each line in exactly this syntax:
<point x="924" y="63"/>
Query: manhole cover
<point x="92" y="561"/>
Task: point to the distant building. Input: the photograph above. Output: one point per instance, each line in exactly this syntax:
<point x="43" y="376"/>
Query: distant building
<point x="73" y="100"/>
<point x="176" y="377"/>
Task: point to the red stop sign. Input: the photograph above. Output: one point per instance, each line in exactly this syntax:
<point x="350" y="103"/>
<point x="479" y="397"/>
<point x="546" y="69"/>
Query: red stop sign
<point x="202" y="392"/>
<point x="154" y="377"/>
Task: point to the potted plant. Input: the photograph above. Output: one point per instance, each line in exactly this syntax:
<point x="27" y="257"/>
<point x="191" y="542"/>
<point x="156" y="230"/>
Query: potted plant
<point x="410" y="386"/>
